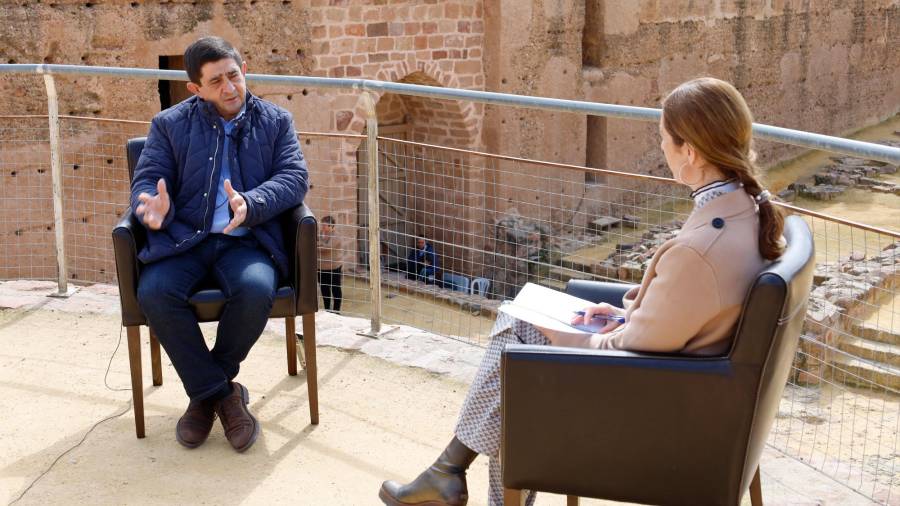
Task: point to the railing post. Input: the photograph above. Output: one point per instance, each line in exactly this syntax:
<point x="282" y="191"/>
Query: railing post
<point x="56" y="174"/>
<point x="374" y="212"/>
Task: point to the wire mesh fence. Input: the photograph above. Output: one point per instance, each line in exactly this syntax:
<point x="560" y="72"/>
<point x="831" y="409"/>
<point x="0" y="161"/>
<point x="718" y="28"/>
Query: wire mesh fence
<point x="334" y="196"/>
<point x="95" y="193"/>
<point x="461" y="231"/>
<point x="26" y="209"/>
<point x="841" y="411"/>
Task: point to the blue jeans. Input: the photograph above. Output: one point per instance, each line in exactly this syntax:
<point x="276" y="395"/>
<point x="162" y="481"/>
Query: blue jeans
<point x="246" y="275"/>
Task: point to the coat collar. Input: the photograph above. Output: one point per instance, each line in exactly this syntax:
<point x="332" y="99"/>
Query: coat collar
<point x="732" y="205"/>
<point x="212" y="115"/>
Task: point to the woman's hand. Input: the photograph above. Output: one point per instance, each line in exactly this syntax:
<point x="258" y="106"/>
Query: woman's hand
<point x="600" y="310"/>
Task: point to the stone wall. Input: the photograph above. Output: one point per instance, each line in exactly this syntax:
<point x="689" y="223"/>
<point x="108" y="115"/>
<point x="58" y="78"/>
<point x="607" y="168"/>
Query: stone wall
<point x="431" y="43"/>
<point x="825" y="66"/>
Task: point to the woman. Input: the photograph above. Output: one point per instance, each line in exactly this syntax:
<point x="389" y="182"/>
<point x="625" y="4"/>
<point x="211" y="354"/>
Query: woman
<point x="732" y="232"/>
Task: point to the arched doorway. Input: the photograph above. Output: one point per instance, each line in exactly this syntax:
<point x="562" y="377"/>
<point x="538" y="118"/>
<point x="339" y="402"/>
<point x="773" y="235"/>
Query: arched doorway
<point x="420" y="188"/>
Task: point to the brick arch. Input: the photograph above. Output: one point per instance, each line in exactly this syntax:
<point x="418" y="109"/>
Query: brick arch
<point x="441" y="122"/>
<point x="440" y="198"/>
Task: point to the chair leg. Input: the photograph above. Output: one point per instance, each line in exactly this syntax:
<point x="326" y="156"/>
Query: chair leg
<point x="512" y="497"/>
<point x="571" y="500"/>
<point x="312" y="382"/>
<point x="291" y="340"/>
<point x="756" y="490"/>
<point x="155" y="361"/>
<point x="301" y="357"/>
<point x="137" y="384"/>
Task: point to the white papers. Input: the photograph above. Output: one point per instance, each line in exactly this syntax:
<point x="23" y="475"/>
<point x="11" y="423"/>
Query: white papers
<point x="551" y="311"/>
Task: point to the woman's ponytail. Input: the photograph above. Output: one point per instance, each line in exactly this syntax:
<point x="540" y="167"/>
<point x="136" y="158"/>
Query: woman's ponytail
<point x="771" y="220"/>
<point x="713" y="117"/>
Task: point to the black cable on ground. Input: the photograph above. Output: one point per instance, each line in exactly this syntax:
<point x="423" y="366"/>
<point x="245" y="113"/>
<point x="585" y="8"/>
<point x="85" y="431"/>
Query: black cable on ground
<point x="86" y="434"/>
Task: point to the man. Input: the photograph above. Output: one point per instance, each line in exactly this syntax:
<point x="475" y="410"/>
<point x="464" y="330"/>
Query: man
<point x="422" y="262"/>
<point x="216" y="171"/>
<point x="331" y="248"/>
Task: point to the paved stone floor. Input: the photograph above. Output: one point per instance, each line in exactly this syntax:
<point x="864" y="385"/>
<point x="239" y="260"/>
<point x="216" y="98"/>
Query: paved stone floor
<point x="387" y="408"/>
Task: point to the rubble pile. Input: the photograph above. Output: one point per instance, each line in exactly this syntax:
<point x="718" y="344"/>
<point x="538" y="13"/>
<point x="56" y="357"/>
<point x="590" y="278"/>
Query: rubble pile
<point x="629" y="261"/>
<point x="843" y="173"/>
<point x="843" y="293"/>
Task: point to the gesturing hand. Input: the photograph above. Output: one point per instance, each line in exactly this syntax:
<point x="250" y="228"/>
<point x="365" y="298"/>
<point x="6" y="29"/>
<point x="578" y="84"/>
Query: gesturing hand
<point x="153" y="209"/>
<point x="238" y="207"/>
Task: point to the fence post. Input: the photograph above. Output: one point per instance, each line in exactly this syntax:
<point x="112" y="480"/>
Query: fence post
<point x="374" y="212"/>
<point x="56" y="174"/>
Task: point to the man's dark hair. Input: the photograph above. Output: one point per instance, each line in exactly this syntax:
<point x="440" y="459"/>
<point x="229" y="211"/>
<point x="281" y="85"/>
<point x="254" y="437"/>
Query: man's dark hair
<point x="328" y="219"/>
<point x="205" y="50"/>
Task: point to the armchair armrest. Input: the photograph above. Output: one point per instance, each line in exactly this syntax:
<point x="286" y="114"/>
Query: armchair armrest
<point x="301" y="238"/>
<point x="598" y="291"/>
<point x="576" y="421"/>
<point x="128" y="237"/>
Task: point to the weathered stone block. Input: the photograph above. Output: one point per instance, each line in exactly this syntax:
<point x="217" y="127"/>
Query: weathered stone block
<point x="787" y="195"/>
<point x="823" y="192"/>
<point x="377" y="29"/>
<point x="630" y="271"/>
<point x="883" y="188"/>
<point x="603" y="223"/>
<point x="630" y="221"/>
<point x="869" y="181"/>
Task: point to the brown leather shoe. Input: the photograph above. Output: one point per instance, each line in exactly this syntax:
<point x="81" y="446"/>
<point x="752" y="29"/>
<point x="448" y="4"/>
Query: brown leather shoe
<point x="241" y="427"/>
<point x="194" y="425"/>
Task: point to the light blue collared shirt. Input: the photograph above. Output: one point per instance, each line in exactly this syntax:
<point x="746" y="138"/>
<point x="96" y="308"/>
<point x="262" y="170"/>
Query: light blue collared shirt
<point x="221" y="216"/>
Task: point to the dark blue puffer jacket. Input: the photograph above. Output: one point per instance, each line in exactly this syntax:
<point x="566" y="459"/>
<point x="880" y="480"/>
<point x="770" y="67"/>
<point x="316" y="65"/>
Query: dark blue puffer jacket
<point x="185" y="147"/>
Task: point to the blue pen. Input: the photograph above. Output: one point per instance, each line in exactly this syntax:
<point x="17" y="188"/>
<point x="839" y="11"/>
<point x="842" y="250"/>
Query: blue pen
<point x="617" y="319"/>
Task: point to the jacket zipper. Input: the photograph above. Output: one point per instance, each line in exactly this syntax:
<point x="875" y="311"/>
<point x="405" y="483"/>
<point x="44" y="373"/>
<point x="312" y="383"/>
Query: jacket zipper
<point x="208" y="189"/>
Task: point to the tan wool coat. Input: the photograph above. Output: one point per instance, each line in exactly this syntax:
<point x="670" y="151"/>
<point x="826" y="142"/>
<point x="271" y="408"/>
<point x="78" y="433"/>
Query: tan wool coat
<point x="691" y="295"/>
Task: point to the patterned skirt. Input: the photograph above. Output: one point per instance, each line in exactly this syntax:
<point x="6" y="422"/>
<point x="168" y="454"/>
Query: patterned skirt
<point x="478" y="426"/>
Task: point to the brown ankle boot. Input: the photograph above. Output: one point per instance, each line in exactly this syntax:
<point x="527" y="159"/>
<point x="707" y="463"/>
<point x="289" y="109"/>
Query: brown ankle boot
<point x="241" y="427"/>
<point x="194" y="425"/>
<point x="442" y="484"/>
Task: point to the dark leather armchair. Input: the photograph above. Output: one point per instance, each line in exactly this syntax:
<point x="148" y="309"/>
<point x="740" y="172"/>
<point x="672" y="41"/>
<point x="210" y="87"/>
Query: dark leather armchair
<point x="656" y="428"/>
<point x="295" y="296"/>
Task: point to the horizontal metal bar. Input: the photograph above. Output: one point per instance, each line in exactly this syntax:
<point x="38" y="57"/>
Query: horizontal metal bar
<point x="834" y="219"/>
<point x="81" y="118"/>
<point x="859" y="149"/>
<point x="887" y="232"/>
<point x="800" y="138"/>
<point x="530" y="161"/>
<point x="304" y="133"/>
<point x="55" y="69"/>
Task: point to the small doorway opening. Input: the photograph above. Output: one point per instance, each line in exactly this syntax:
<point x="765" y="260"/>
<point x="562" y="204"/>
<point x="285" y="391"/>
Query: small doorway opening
<point x="171" y="92"/>
<point x="596" y="149"/>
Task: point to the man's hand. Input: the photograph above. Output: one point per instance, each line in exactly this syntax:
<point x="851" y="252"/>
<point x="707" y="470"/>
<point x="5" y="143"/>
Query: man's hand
<point x="238" y="207"/>
<point x="153" y="209"/>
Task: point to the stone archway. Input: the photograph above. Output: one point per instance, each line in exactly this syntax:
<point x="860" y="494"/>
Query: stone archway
<point x="424" y="189"/>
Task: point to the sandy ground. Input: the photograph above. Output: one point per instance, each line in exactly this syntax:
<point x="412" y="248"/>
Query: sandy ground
<point x="387" y="408"/>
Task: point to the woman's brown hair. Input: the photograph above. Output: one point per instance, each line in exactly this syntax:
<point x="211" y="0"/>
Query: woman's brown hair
<point x="712" y="116"/>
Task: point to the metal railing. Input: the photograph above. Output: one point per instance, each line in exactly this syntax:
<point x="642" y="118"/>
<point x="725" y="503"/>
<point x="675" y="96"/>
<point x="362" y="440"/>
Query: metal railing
<point x="784" y="135"/>
<point x="497" y="221"/>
